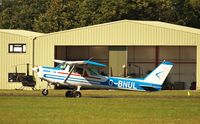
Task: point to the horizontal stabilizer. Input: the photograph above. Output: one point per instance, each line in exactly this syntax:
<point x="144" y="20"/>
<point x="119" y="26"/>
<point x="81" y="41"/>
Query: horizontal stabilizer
<point x="150" y="88"/>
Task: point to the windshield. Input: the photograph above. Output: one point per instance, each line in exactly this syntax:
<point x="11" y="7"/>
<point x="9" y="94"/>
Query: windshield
<point x="62" y="66"/>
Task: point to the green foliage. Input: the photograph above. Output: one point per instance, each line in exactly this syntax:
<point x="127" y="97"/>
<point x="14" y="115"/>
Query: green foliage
<point x="20" y="14"/>
<point x="56" y="15"/>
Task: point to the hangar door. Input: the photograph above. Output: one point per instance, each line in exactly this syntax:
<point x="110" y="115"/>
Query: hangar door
<point x="143" y="59"/>
<point x="72" y="53"/>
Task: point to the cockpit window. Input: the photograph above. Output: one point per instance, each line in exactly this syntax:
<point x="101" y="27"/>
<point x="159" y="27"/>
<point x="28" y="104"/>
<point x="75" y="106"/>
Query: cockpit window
<point x="78" y="70"/>
<point x="93" y="71"/>
<point x="62" y="66"/>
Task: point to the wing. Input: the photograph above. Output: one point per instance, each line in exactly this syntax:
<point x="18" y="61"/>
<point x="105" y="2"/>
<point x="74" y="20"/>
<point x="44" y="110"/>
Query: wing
<point x="94" y="63"/>
<point x="85" y="62"/>
<point x="59" y="61"/>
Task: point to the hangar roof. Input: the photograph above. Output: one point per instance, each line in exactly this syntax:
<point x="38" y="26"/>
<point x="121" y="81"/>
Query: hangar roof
<point x="157" y="24"/>
<point x="170" y="26"/>
<point x="22" y="32"/>
<point x="126" y="32"/>
<point x="147" y="23"/>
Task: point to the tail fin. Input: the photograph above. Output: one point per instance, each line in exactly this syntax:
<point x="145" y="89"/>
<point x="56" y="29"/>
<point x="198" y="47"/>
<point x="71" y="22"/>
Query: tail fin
<point x="158" y="75"/>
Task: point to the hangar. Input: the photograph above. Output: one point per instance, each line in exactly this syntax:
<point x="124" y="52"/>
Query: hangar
<point x="139" y="45"/>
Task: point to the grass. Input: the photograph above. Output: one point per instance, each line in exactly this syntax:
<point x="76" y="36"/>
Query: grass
<point x="107" y="107"/>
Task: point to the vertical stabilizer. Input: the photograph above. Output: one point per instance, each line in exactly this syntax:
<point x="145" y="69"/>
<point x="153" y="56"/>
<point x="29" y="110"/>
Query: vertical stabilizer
<point x="158" y="75"/>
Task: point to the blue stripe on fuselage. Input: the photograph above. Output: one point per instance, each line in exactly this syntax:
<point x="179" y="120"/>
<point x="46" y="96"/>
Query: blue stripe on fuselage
<point x="130" y="84"/>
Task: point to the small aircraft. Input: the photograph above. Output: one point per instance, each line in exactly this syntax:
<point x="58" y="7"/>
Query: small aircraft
<point x="79" y="74"/>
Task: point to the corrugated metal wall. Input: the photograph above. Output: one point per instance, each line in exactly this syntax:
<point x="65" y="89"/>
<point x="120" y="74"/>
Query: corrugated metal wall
<point x="122" y="33"/>
<point x="1" y="47"/>
<point x="198" y="67"/>
<point x="9" y="60"/>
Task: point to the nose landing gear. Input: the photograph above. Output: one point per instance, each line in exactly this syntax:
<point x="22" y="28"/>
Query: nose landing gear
<point x="45" y="92"/>
<point x="70" y="93"/>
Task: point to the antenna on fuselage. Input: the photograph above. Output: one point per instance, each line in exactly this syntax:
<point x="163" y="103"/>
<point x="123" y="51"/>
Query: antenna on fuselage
<point x="90" y="58"/>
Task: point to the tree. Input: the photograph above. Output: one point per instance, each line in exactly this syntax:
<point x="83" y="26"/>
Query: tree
<point x="56" y="15"/>
<point x="60" y="16"/>
<point x="196" y="16"/>
<point x="112" y="10"/>
<point x="20" y="14"/>
<point x="6" y="13"/>
<point x="88" y="13"/>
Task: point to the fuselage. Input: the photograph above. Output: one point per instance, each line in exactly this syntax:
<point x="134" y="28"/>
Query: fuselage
<point x="86" y="73"/>
<point x="89" y="79"/>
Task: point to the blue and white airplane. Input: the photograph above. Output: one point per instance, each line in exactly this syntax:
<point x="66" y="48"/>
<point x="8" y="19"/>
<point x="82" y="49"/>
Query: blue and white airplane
<point x="79" y="74"/>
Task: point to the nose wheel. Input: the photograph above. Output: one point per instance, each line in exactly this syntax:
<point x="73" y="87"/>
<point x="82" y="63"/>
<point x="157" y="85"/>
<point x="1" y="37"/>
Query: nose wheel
<point x="45" y="92"/>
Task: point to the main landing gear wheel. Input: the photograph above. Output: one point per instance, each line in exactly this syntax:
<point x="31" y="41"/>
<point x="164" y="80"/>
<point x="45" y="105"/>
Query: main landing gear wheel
<point x="75" y="94"/>
<point x="45" y="92"/>
<point x="69" y="93"/>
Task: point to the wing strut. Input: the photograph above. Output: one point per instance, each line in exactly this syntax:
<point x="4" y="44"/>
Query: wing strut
<point x="72" y="69"/>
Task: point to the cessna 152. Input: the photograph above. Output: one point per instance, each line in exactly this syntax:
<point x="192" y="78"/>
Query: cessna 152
<point x="79" y="74"/>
